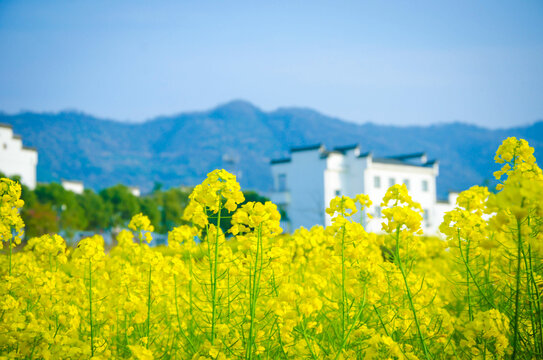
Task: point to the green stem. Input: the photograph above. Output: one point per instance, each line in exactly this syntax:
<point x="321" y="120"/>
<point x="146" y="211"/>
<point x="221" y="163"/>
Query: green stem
<point x="149" y="310"/>
<point x="343" y="276"/>
<point x="214" y="276"/>
<point x="475" y="280"/>
<point x="255" y="288"/>
<point x="177" y="313"/>
<point x="517" y="292"/>
<point x="470" y="311"/>
<point x="190" y="286"/>
<point x="381" y="320"/>
<point x="307" y="341"/>
<point x="228" y="294"/>
<point x="530" y="300"/>
<point x="90" y="308"/>
<point x="280" y="340"/>
<point x="10" y="250"/>
<point x="346" y="337"/>
<point x="409" y="296"/>
<point x="537" y="300"/>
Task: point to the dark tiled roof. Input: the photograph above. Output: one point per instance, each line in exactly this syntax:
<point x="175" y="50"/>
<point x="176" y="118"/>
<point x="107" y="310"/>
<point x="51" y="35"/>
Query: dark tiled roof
<point x="392" y="161"/>
<point x="325" y="154"/>
<point x="7" y="126"/>
<point x="306" y="148"/>
<point x="363" y="155"/>
<point x="279" y="161"/>
<point x="346" y="147"/>
<point x="408" y="156"/>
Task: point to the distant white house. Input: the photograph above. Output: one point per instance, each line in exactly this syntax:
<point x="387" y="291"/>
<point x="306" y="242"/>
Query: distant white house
<point x="16" y="159"/>
<point x="134" y="190"/>
<point x="305" y="183"/>
<point x="73" y="185"/>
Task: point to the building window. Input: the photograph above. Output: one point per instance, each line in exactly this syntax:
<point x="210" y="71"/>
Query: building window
<point x="282" y="182"/>
<point x="283" y="212"/>
<point x="426" y="216"/>
<point x="338" y="192"/>
<point x="391" y="182"/>
<point x="5" y="146"/>
<point x="406" y="183"/>
<point x="378" y="211"/>
<point x="377" y="182"/>
<point x="424" y="185"/>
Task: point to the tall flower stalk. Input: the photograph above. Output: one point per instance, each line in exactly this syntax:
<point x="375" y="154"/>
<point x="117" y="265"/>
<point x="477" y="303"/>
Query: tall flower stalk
<point x="402" y="220"/>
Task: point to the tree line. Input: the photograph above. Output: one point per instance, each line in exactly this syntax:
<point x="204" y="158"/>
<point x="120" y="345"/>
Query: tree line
<point x="50" y="208"/>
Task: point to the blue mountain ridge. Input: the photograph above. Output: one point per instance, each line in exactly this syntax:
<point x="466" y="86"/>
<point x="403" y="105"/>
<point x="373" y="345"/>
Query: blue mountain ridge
<point x="181" y="149"/>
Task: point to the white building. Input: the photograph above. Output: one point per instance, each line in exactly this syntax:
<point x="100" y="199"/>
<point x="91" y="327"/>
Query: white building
<point x="73" y="185"/>
<point x="305" y="183"/>
<point x="134" y="190"/>
<point x="16" y="159"/>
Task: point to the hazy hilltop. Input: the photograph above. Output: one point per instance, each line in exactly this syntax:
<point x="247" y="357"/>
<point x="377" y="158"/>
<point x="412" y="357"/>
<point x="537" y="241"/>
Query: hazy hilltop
<point x="181" y="149"/>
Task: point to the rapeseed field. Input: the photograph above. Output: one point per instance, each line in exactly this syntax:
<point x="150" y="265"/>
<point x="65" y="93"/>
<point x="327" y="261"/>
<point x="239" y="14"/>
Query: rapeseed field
<point x="254" y="293"/>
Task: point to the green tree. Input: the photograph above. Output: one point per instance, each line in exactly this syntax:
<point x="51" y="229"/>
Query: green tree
<point x="124" y="204"/>
<point x="39" y="219"/>
<point x="71" y="215"/>
<point x="97" y="211"/>
<point x="150" y="207"/>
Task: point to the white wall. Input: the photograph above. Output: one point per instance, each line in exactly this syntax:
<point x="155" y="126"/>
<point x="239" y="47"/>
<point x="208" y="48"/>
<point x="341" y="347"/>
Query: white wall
<point x="305" y="188"/>
<point x="415" y="175"/>
<point x="312" y="181"/>
<point x="135" y="190"/>
<point x="15" y="159"/>
<point x="443" y="207"/>
<point x="335" y="178"/>
<point x="281" y="197"/>
<point x="74" y="186"/>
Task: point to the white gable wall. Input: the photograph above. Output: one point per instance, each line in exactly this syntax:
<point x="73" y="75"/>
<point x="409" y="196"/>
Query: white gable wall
<point x="335" y="178"/>
<point x="415" y="175"/>
<point x="314" y="177"/>
<point x="304" y="188"/>
<point x="16" y="159"/>
<point x="76" y="187"/>
<point x="306" y="185"/>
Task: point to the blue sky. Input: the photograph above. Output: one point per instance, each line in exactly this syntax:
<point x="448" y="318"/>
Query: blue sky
<point x="389" y="62"/>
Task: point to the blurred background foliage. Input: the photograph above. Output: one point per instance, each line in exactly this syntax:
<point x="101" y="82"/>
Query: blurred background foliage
<point x="50" y="208"/>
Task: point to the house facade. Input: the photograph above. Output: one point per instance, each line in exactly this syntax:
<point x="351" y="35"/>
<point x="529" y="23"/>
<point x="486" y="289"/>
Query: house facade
<point x="305" y="182"/>
<point x="74" y="186"/>
<point x="16" y="159"/>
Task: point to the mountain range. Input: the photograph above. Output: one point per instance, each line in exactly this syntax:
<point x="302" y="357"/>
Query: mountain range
<point x="238" y="136"/>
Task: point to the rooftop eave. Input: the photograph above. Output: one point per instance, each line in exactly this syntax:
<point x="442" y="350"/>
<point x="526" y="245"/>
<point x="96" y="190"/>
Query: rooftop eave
<point x="325" y="154"/>
<point x="365" y="155"/>
<point x="344" y="149"/>
<point x="280" y="161"/>
<point x="396" y="162"/>
<point x="307" y="148"/>
<point x="409" y="156"/>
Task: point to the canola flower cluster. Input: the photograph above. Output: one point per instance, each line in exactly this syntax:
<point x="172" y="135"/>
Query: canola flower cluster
<point x="335" y="292"/>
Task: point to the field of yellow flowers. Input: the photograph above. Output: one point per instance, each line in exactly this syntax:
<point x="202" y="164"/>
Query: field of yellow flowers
<point x="254" y="293"/>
